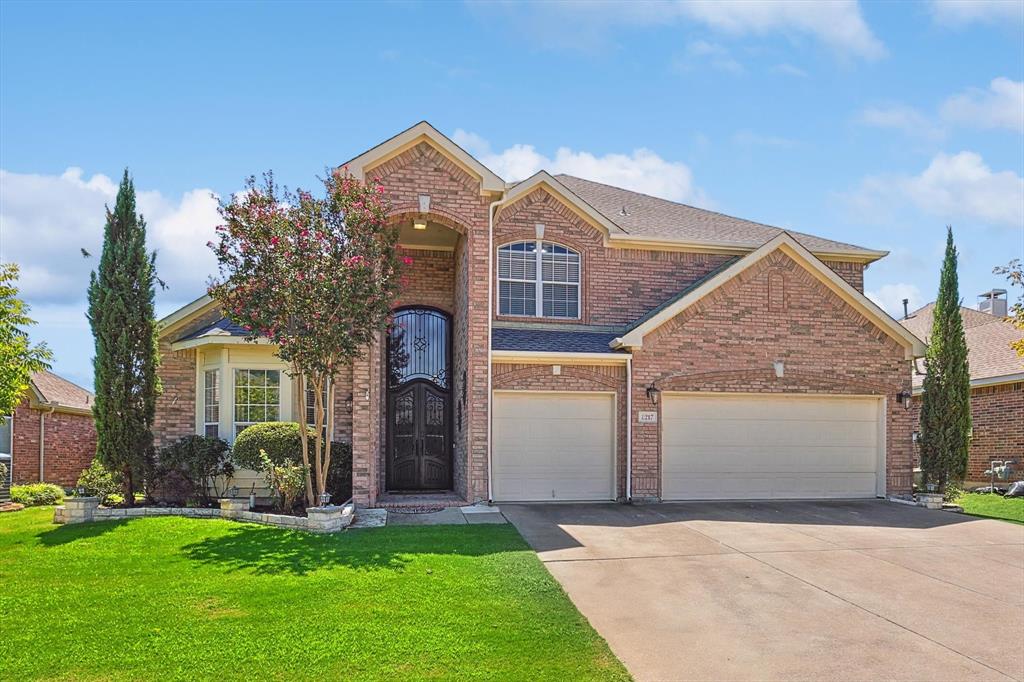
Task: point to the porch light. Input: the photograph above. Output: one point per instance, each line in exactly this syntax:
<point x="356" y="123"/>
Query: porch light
<point x="348" y="401"/>
<point x="419" y="224"/>
<point x="652" y="393"/>
<point x="903" y="398"/>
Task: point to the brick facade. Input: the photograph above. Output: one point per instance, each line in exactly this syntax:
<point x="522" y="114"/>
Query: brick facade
<point x="997" y="415"/>
<point x="726" y="342"/>
<point x="69" y="445"/>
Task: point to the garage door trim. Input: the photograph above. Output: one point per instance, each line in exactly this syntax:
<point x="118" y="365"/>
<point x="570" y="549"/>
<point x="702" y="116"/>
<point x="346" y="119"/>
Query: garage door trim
<point x="613" y="491"/>
<point x="882" y="409"/>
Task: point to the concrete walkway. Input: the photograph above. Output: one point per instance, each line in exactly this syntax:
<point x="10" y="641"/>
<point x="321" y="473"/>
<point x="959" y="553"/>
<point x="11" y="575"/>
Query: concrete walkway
<point x="860" y="590"/>
<point x="471" y="514"/>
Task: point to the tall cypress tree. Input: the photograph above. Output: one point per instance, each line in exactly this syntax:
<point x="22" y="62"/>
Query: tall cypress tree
<point x="946" y="405"/>
<point x="121" y="313"/>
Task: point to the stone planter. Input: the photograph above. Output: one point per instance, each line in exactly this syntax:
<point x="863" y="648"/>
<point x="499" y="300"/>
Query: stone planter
<point x="80" y="509"/>
<point x="329" y="519"/>
<point x="930" y="500"/>
<point x="232" y="507"/>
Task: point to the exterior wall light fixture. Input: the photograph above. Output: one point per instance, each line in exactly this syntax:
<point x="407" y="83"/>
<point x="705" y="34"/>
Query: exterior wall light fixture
<point x="903" y="398"/>
<point x="652" y="393"/>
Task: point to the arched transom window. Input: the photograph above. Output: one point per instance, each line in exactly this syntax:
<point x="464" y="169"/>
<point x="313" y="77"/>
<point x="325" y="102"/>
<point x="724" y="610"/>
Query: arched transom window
<point x="538" y="279"/>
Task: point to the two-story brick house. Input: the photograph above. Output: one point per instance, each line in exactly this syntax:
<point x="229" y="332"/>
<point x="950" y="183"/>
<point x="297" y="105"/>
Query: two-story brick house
<point x="560" y="339"/>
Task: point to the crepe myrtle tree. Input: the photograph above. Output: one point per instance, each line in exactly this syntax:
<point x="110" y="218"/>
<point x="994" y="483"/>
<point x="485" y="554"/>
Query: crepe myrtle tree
<point x="315" y="276"/>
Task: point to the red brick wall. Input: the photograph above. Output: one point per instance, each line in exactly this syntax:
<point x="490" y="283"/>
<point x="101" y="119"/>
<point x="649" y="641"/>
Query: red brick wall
<point x="176" y="406"/>
<point x="429" y="280"/>
<point x="522" y="377"/>
<point x="457" y="203"/>
<point x="70" y="445"/>
<point x="728" y="341"/>
<point x="997" y="413"/>
<point x="617" y="285"/>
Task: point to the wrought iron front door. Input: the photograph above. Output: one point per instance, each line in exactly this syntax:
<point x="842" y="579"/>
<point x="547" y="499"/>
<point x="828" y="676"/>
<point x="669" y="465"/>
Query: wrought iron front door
<point x="419" y="401"/>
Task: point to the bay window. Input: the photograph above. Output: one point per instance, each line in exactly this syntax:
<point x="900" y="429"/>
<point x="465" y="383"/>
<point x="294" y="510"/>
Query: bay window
<point x="257" y="397"/>
<point x="211" y="403"/>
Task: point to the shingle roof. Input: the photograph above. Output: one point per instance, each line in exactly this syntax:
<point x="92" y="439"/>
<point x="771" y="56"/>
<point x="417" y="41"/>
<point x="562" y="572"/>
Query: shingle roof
<point x="551" y="340"/>
<point x="57" y="390"/>
<point x="989" y="354"/>
<point x="223" y="326"/>
<point x="642" y="215"/>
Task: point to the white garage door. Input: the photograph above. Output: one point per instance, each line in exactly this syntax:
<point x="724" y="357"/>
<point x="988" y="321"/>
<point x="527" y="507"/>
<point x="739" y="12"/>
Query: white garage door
<point x="753" y="447"/>
<point x="553" y="446"/>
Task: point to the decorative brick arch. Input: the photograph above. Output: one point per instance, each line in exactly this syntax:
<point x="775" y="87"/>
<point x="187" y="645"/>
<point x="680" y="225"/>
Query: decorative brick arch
<point x="441" y="216"/>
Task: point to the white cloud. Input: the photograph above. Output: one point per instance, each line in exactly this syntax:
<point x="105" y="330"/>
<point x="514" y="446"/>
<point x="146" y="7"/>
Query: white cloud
<point x="838" y="24"/>
<point x="641" y="171"/>
<point x="700" y="51"/>
<point x="889" y="297"/>
<point x="903" y="118"/>
<point x="962" y="12"/>
<point x="1001" y="106"/>
<point x="46" y="220"/>
<point x="789" y="70"/>
<point x="958" y="186"/>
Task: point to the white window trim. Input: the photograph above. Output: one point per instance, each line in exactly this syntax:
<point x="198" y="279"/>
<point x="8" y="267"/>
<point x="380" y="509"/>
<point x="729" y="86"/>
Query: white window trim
<point x="223" y="358"/>
<point x="220" y="398"/>
<point x="538" y="282"/>
<point x="281" y="384"/>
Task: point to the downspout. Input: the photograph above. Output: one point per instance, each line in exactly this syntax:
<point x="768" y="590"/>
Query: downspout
<point x="490" y="320"/>
<point x="629" y="428"/>
<point x="42" y="442"/>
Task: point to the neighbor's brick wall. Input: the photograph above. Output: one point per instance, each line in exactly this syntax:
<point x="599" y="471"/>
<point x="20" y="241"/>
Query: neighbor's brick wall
<point x="523" y="377"/>
<point x="728" y="340"/>
<point x="70" y="445"/>
<point x="997" y="414"/>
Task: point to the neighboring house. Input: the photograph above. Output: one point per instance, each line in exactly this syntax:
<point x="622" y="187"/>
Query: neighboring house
<point x="997" y="384"/>
<point x="51" y="436"/>
<point x="561" y="339"/>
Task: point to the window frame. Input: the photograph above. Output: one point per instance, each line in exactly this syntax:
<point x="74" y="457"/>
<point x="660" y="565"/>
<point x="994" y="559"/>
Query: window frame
<point x="234" y="398"/>
<point x="217" y="393"/>
<point x="539" y="281"/>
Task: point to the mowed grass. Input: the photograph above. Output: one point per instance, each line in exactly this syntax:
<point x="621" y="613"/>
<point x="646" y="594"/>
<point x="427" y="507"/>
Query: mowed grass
<point x="993" y="506"/>
<point x="167" y="598"/>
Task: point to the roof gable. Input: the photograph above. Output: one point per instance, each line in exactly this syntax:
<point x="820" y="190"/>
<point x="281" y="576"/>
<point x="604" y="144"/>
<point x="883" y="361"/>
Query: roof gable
<point x="785" y="243"/>
<point x="55" y="391"/>
<point x="424" y="132"/>
<point x="544" y="180"/>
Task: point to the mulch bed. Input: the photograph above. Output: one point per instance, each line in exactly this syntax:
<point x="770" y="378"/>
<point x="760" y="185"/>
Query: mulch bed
<point x="11" y="506"/>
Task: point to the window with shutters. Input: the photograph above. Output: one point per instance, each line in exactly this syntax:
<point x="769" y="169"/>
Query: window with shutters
<point x="538" y="279"/>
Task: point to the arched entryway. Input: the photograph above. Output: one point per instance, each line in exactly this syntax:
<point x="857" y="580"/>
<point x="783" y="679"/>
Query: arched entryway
<point x="419" y="424"/>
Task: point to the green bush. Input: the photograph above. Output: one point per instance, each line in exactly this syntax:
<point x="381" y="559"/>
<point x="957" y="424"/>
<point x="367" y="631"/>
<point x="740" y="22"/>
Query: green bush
<point x="188" y="468"/>
<point x="36" y="494"/>
<point x="282" y="442"/>
<point x="99" y="482"/>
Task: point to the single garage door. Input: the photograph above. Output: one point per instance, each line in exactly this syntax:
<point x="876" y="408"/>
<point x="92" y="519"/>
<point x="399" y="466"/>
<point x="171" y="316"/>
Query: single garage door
<point x="553" y="446"/>
<point x="755" y="447"/>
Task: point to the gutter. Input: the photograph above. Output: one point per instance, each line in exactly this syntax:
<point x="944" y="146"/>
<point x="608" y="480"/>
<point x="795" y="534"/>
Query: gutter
<point x="490" y="328"/>
<point x="629" y="429"/>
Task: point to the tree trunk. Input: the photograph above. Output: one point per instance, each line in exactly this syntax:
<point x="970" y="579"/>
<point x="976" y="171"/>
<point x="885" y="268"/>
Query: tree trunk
<point x="310" y="501"/>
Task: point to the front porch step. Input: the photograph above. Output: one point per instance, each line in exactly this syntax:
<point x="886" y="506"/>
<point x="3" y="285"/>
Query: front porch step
<point x="442" y="500"/>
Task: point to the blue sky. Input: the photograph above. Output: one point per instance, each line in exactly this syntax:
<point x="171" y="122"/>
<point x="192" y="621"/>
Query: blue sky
<point x="872" y="123"/>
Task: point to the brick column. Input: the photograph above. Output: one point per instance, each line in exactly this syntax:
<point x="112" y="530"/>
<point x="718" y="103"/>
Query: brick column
<point x="366" y="395"/>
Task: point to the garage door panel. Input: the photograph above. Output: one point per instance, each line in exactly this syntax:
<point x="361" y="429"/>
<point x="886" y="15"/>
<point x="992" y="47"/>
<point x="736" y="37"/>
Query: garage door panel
<point x="749" y="447"/>
<point x="553" y="446"/>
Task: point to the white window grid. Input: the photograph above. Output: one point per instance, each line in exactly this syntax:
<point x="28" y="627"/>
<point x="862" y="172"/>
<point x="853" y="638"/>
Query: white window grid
<point x="538" y="279"/>
<point x="211" y="403"/>
<point x="257" y="397"/>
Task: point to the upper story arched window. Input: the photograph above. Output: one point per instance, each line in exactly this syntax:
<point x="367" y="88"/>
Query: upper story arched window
<point x="538" y="279"/>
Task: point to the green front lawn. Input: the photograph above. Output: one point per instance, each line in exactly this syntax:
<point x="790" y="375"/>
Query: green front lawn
<point x="994" y="506"/>
<point x="174" y="598"/>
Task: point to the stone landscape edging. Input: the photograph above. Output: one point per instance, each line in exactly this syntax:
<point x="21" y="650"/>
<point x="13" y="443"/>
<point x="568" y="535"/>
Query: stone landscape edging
<point x="330" y="519"/>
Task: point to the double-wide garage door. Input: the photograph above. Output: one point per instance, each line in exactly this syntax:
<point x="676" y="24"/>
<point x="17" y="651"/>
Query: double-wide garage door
<point x="552" y="446"/>
<point x="756" y="447"/>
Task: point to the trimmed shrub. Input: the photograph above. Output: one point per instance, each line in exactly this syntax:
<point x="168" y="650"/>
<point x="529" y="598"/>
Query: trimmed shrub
<point x="99" y="482"/>
<point x="37" y="494"/>
<point x="282" y="442"/>
<point x="187" y="469"/>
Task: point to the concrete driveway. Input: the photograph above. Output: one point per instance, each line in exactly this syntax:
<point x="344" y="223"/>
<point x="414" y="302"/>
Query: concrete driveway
<point x="859" y="590"/>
